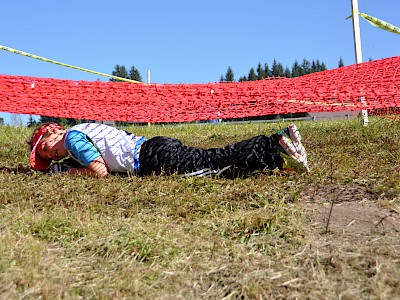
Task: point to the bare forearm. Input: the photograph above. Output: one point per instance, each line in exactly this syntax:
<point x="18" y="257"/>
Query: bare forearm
<point x="97" y="168"/>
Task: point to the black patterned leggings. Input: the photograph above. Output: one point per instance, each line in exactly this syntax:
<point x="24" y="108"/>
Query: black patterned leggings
<point x="167" y="155"/>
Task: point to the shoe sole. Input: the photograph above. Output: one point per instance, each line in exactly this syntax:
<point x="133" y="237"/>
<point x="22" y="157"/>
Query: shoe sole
<point x="294" y="134"/>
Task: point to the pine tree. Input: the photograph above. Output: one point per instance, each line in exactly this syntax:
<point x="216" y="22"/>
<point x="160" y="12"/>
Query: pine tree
<point x="260" y="72"/>
<point x="252" y="75"/>
<point x="280" y="70"/>
<point x="229" y="76"/>
<point x="267" y="71"/>
<point x="314" y="67"/>
<point x="295" y="69"/>
<point x="62" y="121"/>
<point x="305" y="66"/>
<point x="134" y="74"/>
<point x="32" y="122"/>
<point x="318" y="66"/>
<point x="275" y="71"/>
<point x="287" y="72"/>
<point x="119" y="71"/>
<point x="340" y="63"/>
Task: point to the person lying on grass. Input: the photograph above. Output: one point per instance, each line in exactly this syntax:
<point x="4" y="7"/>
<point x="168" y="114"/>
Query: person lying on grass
<point x="98" y="149"/>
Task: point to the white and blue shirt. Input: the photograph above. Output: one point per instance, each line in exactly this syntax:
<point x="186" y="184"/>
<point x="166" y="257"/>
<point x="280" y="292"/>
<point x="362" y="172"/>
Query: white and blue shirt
<point x="87" y="141"/>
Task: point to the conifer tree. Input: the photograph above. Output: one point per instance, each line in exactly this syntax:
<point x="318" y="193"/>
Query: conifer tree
<point x="305" y="66"/>
<point x="287" y="72"/>
<point x="275" y="70"/>
<point x="260" y="72"/>
<point x="119" y="71"/>
<point x="340" y="63"/>
<point x="318" y="66"/>
<point x="134" y="74"/>
<point x="62" y="121"/>
<point x="229" y="76"/>
<point x="295" y="69"/>
<point x="313" y="67"/>
<point x="280" y="70"/>
<point x="32" y="122"/>
<point x="267" y="71"/>
<point x="252" y="75"/>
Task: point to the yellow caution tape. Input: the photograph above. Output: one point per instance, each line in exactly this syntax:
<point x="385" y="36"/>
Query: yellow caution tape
<point x="65" y="65"/>
<point x="380" y="24"/>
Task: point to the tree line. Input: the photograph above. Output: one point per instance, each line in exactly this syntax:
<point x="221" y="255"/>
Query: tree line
<point x="277" y="70"/>
<point x="261" y="72"/>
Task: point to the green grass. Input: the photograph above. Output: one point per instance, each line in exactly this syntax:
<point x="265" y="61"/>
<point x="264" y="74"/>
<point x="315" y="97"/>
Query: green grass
<point x="167" y="237"/>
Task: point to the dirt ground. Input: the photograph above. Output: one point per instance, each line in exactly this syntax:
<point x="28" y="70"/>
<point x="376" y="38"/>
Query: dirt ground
<point x="354" y="210"/>
<point x="355" y="243"/>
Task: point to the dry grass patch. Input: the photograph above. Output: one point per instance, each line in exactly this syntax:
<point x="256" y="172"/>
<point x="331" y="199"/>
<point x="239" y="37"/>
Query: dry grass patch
<point x="166" y="237"/>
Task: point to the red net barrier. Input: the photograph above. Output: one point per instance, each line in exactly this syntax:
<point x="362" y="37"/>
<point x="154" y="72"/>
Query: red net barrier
<point x="377" y="82"/>
<point x="392" y="113"/>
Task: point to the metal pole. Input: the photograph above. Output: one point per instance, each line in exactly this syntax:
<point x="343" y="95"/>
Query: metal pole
<point x="358" y="52"/>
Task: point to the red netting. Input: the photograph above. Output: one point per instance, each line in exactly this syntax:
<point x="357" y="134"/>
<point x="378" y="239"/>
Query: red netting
<point x="392" y="113"/>
<point x="377" y="82"/>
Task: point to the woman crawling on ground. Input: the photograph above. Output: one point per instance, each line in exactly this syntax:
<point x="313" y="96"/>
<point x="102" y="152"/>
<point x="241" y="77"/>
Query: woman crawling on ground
<point x="98" y="150"/>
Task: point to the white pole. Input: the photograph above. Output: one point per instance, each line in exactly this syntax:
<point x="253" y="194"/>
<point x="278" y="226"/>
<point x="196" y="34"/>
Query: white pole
<point x="358" y="52"/>
<point x="148" y="76"/>
<point x="148" y="82"/>
<point x="356" y="31"/>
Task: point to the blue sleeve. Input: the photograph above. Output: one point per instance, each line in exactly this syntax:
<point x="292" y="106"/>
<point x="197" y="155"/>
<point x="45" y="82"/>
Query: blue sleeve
<point x="80" y="148"/>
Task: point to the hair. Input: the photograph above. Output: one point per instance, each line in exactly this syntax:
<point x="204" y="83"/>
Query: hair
<point x="36" y="130"/>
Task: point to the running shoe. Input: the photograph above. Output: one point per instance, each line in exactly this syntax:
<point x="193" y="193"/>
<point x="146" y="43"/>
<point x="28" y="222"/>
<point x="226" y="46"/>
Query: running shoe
<point x="292" y="151"/>
<point x="292" y="164"/>
<point x="294" y="134"/>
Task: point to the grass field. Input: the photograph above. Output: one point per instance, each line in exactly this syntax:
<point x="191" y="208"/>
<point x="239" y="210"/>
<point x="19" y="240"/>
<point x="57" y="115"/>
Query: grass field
<point x="269" y="236"/>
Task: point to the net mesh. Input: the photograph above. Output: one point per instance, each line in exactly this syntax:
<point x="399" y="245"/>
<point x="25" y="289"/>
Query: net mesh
<point x="377" y="82"/>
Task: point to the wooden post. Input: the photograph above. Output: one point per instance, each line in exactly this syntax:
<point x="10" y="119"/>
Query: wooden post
<point x="358" y="51"/>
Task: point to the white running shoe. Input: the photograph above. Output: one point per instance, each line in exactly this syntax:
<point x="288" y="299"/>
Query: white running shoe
<point x="295" y="136"/>
<point x="292" y="151"/>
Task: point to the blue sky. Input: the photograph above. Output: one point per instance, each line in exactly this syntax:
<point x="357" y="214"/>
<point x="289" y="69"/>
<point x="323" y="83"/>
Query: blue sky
<point x="186" y="41"/>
